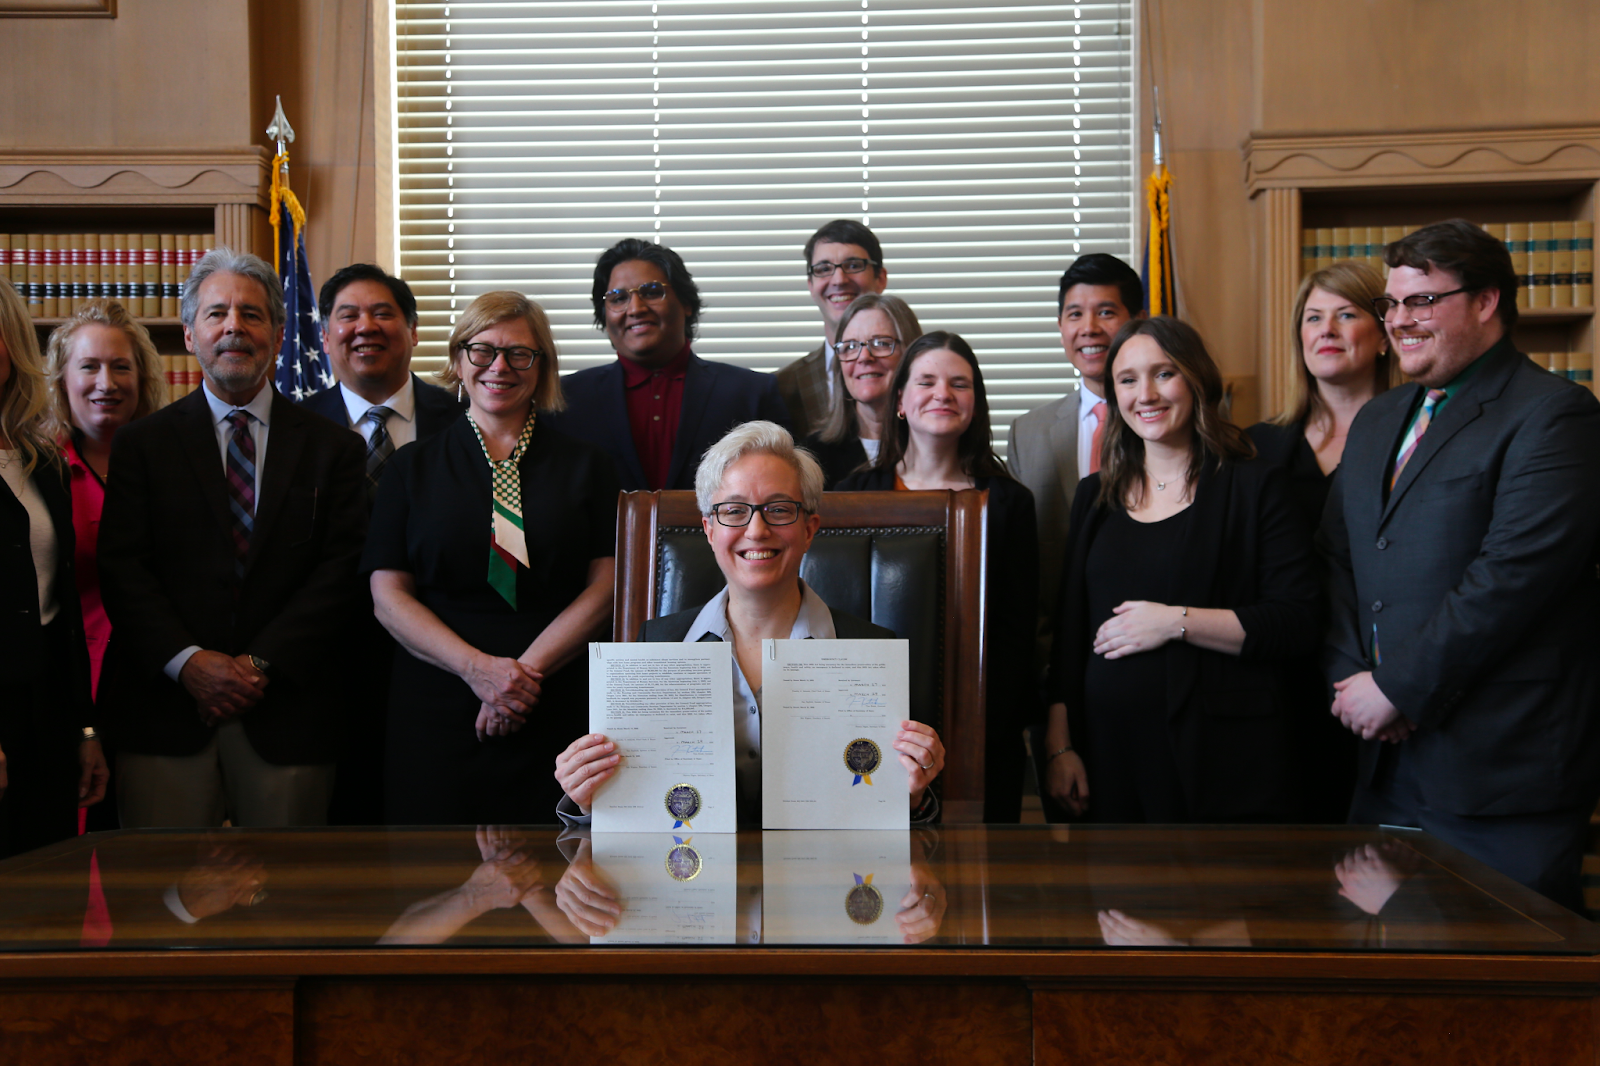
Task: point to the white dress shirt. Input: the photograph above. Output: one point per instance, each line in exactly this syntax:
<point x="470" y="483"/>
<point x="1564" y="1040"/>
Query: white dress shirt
<point x="402" y="425"/>
<point x="1087" y="398"/>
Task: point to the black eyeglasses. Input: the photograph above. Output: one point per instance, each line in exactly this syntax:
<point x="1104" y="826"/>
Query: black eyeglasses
<point x="822" y="268"/>
<point x="850" y="351"/>
<point x="517" y="356"/>
<point x="776" y="513"/>
<point x="652" y="292"/>
<point x="1420" y="305"/>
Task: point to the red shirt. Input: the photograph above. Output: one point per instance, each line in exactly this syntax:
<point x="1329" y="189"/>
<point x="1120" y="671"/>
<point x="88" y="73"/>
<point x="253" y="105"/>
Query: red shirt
<point x="88" y="499"/>
<point x="655" y="405"/>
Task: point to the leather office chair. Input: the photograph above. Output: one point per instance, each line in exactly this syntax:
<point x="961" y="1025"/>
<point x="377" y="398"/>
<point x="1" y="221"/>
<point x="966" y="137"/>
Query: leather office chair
<point x="910" y="561"/>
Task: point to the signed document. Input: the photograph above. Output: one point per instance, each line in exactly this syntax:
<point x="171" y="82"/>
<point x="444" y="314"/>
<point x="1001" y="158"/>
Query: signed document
<point x="669" y="710"/>
<point x="674" y="888"/>
<point x="834" y="888"/>
<point x="830" y="711"/>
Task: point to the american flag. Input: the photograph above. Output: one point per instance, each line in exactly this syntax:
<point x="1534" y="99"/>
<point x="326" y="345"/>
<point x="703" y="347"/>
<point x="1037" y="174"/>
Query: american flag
<point x="303" y="366"/>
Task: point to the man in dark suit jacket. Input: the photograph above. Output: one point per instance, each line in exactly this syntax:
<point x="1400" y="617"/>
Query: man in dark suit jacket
<point x="1461" y="536"/>
<point x="369" y="325"/>
<point x="228" y="553"/>
<point x="659" y="406"/>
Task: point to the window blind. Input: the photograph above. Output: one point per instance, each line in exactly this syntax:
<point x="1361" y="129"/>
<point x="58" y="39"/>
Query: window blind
<point x="986" y="146"/>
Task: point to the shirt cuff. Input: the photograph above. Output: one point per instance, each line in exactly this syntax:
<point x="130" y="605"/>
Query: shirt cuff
<point x="174" y="665"/>
<point x="175" y="905"/>
<point x="569" y="814"/>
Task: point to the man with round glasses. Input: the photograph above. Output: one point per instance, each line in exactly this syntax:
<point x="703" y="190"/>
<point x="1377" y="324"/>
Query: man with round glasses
<point x="659" y="406"/>
<point x="843" y="260"/>
<point x="1461" y="537"/>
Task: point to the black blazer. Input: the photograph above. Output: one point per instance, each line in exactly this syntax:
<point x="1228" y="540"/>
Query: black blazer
<point x="839" y="459"/>
<point x="672" y="628"/>
<point x="716" y="397"/>
<point x="1286" y="448"/>
<point x="1478" y="570"/>
<point x="1229" y="716"/>
<point x="167" y="575"/>
<point x="436" y="408"/>
<point x="23" y="654"/>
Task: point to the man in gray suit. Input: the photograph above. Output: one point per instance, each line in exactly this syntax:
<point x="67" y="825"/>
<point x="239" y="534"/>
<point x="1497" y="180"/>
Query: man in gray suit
<point x="843" y="260"/>
<point x="1461" y="536"/>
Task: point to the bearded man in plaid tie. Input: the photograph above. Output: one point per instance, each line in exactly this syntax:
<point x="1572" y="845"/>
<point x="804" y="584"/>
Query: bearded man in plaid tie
<point x="1461" y="536"/>
<point x="228" y="552"/>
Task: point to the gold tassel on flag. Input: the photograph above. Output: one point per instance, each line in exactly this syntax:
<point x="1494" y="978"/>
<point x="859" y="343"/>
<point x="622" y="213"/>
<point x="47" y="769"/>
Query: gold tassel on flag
<point x="1159" y="291"/>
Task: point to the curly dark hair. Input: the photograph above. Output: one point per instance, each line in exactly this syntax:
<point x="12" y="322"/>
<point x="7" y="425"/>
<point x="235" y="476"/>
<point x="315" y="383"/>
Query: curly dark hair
<point x="671" y="264"/>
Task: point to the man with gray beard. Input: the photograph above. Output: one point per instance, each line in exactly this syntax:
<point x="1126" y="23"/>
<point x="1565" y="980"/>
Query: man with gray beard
<point x="229" y="574"/>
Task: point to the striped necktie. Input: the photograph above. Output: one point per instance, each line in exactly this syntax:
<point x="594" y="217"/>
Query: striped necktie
<point x="1418" y="428"/>
<point x="241" y="470"/>
<point x="379" y="446"/>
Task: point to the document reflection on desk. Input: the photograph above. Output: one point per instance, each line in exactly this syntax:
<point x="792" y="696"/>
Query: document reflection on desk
<point x="673" y="888"/>
<point x="831" y="710"/>
<point x="834" y="888"/>
<point x="669" y="710"/>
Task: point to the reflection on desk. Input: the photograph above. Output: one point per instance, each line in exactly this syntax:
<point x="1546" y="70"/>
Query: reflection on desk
<point x="966" y="887"/>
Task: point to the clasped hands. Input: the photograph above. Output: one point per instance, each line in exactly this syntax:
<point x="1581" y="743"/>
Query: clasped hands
<point x="1362" y="707"/>
<point x="223" y="686"/>
<point x="508" y="688"/>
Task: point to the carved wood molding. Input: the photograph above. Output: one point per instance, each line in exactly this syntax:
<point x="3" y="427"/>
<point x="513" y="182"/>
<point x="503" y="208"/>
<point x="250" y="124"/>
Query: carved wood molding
<point x="1308" y="161"/>
<point x="73" y="9"/>
<point x="175" y="176"/>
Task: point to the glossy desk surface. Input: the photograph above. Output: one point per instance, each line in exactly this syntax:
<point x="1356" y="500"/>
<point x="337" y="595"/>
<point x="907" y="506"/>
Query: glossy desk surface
<point x="963" y="894"/>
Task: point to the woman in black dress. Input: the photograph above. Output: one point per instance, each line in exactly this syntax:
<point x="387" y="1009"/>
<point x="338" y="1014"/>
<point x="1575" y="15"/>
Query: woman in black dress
<point x="492" y="579"/>
<point x="1188" y="586"/>
<point x="942" y="440"/>
<point x="1343" y="360"/>
<point x="873" y="334"/>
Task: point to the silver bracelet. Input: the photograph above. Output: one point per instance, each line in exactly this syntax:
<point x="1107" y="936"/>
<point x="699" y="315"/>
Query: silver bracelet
<point x="89" y="734"/>
<point x="1183" y="631"/>
<point x="1053" y="754"/>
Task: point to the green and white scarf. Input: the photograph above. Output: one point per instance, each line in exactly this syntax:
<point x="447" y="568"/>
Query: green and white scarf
<point x="507" y="544"/>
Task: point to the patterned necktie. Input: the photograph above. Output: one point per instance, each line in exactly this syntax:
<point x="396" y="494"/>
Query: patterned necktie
<point x="379" y="446"/>
<point x="1418" y="428"/>
<point x="1099" y="412"/>
<point x="241" y="469"/>
<point x="507" y="544"/>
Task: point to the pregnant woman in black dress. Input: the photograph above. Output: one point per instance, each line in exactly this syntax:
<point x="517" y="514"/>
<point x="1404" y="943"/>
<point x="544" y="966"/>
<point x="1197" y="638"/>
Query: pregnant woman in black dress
<point x="491" y="561"/>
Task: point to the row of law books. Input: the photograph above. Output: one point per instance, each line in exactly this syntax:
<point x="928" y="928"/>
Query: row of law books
<point x="1554" y="261"/>
<point x="57" y="273"/>
<point x="182" y="373"/>
<point x="1574" y="366"/>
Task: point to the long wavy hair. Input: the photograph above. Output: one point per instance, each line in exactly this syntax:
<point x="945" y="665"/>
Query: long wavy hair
<point x="1215" y="440"/>
<point x="841" y="421"/>
<point x="1359" y="284"/>
<point x="24" y="398"/>
<point x="147" y="367"/>
<point x="975" y="446"/>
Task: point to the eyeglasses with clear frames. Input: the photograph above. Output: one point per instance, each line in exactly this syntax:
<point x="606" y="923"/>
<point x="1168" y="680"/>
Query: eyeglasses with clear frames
<point x="822" y="268"/>
<point x="879" y="347"/>
<point x="776" y="513"/>
<point x="651" y="292"/>
<point x="517" y="357"/>
<point x="1419" y="304"/>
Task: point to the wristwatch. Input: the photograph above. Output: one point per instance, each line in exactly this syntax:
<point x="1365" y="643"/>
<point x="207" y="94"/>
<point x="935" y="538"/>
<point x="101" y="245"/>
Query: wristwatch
<point x="262" y="665"/>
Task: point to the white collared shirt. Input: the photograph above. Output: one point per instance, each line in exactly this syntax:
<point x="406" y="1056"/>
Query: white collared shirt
<point x="827" y="366"/>
<point x="402" y="425"/>
<point x="1086" y="425"/>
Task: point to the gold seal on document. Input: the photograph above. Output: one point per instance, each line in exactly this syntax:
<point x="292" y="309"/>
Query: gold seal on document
<point x="683" y="803"/>
<point x="683" y="862"/>
<point x="862" y="757"/>
<point x="863" y="904"/>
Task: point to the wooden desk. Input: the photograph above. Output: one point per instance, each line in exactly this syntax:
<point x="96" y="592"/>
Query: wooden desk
<point x="1234" y="945"/>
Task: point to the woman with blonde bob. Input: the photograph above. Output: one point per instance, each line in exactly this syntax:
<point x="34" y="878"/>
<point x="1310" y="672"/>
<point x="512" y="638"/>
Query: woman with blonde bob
<point x="873" y="334"/>
<point x="103" y="372"/>
<point x="1188" y="585"/>
<point x="51" y="762"/>
<point x="490" y="558"/>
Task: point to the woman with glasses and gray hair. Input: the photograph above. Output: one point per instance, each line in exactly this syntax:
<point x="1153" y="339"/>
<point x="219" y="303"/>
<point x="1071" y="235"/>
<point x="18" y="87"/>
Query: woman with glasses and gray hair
<point x="873" y="334"/>
<point x="759" y="496"/>
<point x="491" y="560"/>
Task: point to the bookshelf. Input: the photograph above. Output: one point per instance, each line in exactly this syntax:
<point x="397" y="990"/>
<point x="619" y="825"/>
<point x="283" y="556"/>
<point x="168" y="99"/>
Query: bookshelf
<point x="1359" y="179"/>
<point x="145" y="190"/>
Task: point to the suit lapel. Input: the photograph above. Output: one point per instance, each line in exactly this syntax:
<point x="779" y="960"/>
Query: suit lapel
<point x="197" y="438"/>
<point x="1064" y="444"/>
<point x="696" y="388"/>
<point x="612" y="404"/>
<point x="285" y="442"/>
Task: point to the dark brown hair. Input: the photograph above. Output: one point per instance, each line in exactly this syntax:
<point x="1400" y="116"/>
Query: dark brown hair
<point x="975" y="446"/>
<point x="1465" y="250"/>
<point x="1215" y="441"/>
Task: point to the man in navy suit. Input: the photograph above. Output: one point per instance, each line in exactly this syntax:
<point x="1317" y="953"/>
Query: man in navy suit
<point x="659" y="406"/>
<point x="369" y="324"/>
<point x="1461" y="538"/>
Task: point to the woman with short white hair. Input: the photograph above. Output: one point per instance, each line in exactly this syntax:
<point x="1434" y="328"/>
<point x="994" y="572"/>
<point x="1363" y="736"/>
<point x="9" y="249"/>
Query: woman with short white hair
<point x="759" y="496"/>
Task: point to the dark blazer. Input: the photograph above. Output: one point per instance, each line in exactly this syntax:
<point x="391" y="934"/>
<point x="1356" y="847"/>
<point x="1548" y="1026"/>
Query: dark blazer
<point x="716" y="397"/>
<point x="672" y="628"/>
<point x="1229" y="715"/>
<point x="436" y="408"/>
<point x="839" y="459"/>
<point x="167" y="574"/>
<point x="1286" y="448"/>
<point x="1478" y="570"/>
